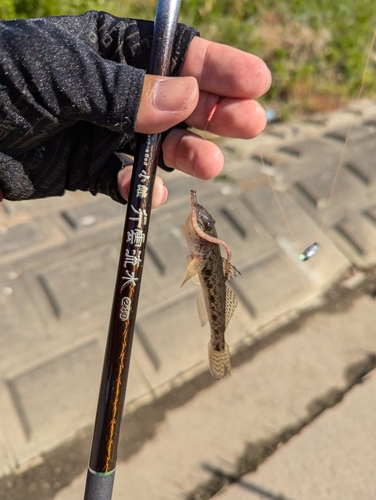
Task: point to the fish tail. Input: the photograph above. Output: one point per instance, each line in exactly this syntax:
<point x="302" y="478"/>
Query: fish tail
<point x="219" y="361"/>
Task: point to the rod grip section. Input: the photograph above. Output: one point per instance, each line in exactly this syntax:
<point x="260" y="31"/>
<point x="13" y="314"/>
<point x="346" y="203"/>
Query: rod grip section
<point x="99" y="486"/>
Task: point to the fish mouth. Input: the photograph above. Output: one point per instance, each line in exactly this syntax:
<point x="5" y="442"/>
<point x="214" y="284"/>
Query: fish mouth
<point x="193" y="194"/>
<point x="203" y="217"/>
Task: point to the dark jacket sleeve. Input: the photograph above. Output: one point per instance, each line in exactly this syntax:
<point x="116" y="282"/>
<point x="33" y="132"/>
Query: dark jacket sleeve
<point x="70" y="89"/>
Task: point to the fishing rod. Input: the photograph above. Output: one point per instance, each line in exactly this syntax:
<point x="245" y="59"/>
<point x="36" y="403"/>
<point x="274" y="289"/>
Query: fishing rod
<point x="102" y="463"/>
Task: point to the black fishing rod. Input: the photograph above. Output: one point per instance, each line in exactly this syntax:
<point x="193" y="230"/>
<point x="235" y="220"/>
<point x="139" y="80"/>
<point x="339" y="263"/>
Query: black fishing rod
<point x="102" y="463"/>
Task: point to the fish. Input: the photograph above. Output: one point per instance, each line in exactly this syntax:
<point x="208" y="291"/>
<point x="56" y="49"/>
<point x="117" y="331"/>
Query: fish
<point x="216" y="302"/>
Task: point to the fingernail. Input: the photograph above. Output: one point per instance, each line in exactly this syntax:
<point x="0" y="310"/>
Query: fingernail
<point x="173" y="94"/>
<point x="270" y="80"/>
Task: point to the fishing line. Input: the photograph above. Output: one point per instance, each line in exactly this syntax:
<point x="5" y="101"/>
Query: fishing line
<point x="208" y="120"/>
<point x="340" y="162"/>
<point x="268" y="176"/>
<point x="312" y="249"/>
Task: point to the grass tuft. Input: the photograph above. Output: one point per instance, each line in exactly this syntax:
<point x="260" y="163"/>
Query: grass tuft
<point x="317" y="51"/>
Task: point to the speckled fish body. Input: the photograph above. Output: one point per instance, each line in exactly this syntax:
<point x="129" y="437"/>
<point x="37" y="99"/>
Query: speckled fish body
<point x="216" y="302"/>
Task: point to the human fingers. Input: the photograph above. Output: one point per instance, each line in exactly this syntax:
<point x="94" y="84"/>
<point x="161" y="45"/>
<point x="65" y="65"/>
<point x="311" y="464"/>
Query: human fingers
<point x="160" y="192"/>
<point x="240" y="118"/>
<point x="224" y="70"/>
<point x="192" y="155"/>
<point x="165" y="102"/>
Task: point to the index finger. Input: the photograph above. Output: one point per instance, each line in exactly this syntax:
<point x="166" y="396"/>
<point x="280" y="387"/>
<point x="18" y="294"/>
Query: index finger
<point x="227" y="71"/>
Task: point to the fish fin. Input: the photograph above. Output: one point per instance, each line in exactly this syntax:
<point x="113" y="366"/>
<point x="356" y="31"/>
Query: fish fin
<point x="233" y="272"/>
<point x="196" y="280"/>
<point x="194" y="267"/>
<point x="219" y="361"/>
<point x="231" y="304"/>
<point x="201" y="308"/>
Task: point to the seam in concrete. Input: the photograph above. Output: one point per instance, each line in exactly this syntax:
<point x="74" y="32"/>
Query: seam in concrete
<point x="256" y="453"/>
<point x="50" y="473"/>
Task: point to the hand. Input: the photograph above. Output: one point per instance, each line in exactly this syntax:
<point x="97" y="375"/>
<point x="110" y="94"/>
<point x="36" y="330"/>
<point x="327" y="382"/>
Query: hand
<point x="210" y="70"/>
<point x="70" y="121"/>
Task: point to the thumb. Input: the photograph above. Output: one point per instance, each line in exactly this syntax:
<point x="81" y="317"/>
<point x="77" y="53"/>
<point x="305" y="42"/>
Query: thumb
<point x="165" y="102"/>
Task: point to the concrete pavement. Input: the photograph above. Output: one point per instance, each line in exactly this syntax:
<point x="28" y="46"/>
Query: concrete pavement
<point x="332" y="458"/>
<point x="185" y="433"/>
<point x="213" y="436"/>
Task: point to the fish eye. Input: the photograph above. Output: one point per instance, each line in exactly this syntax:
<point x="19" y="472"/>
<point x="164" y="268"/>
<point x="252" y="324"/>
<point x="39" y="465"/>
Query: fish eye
<point x="208" y="224"/>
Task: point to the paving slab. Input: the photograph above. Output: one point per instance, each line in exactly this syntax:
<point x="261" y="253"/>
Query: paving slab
<point x="58" y="261"/>
<point x="276" y="389"/>
<point x="332" y="458"/>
